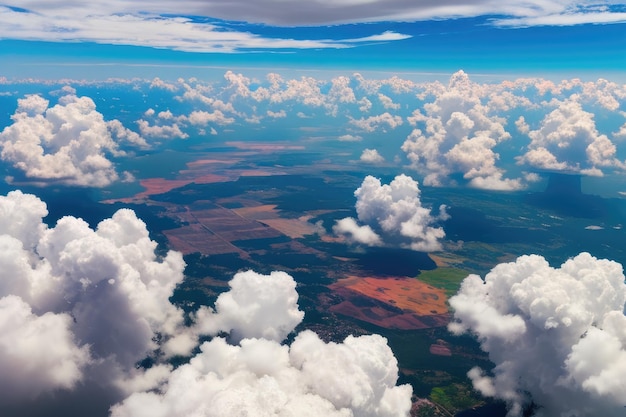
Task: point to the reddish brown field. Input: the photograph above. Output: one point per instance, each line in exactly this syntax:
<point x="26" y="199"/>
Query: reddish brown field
<point x="402" y="303"/>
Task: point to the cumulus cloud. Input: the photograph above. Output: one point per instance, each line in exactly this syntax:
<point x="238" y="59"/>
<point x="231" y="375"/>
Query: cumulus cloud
<point x="353" y="232"/>
<point x="169" y="131"/>
<point x="28" y="370"/>
<point x="393" y="213"/>
<point x="67" y="143"/>
<point x="457" y="134"/>
<point x="263" y="377"/>
<point x="371" y="156"/>
<point x="257" y="306"/>
<point x="568" y="140"/>
<point x="373" y="123"/>
<point x="251" y="372"/>
<point x="95" y="299"/>
<point x="556" y="335"/>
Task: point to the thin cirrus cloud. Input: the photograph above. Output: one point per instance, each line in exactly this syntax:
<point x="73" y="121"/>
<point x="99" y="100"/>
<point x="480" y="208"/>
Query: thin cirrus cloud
<point x="324" y="12"/>
<point x="212" y="26"/>
<point x="151" y="30"/>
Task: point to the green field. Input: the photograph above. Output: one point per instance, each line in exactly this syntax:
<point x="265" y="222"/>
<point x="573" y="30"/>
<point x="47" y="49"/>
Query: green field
<point x="446" y="278"/>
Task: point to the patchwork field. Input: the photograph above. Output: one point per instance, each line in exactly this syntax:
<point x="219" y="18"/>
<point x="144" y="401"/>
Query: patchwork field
<point x="401" y="303"/>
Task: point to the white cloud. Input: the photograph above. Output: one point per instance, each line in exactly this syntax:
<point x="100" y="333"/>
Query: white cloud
<point x="393" y="213"/>
<point x="568" y="140"/>
<point x="458" y="134"/>
<point x="373" y="123"/>
<point x="371" y="156"/>
<point x="66" y="143"/>
<point x="28" y="369"/>
<point x="353" y="138"/>
<point x="387" y="102"/>
<point x="353" y="232"/>
<point x="95" y="299"/>
<point x="159" y="83"/>
<point x="257" y="375"/>
<point x="262" y="377"/>
<point x="119" y="24"/>
<point x="565" y="19"/>
<point x="277" y="114"/>
<point x="556" y="334"/>
<point x="172" y="131"/>
<point x="256" y="306"/>
<point x="203" y="118"/>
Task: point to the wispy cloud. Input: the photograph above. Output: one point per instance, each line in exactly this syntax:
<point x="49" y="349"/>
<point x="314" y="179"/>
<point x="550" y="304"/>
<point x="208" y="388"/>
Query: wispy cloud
<point x="151" y="30"/>
<point x="160" y="24"/>
<point x="324" y="12"/>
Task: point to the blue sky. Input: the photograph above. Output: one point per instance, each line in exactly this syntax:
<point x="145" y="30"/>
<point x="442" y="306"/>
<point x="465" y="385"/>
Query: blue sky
<point x="145" y="38"/>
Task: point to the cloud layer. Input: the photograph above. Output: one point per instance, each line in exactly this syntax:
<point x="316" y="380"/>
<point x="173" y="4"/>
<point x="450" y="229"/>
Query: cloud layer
<point x="293" y="13"/>
<point x="152" y="25"/>
<point x="556" y="335"/>
<point x="392" y="214"/>
<point x="498" y="135"/>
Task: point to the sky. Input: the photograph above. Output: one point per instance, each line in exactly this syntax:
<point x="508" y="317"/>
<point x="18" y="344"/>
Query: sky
<point x="124" y="38"/>
<point x="488" y="95"/>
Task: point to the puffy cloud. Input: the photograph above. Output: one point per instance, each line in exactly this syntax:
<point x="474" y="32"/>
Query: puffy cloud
<point x="621" y="133"/>
<point x="371" y="156"/>
<point x="28" y="369"/>
<point x="372" y="123"/>
<point x="159" y="83"/>
<point x="387" y="102"/>
<point x="255" y="306"/>
<point x="95" y="299"/>
<point x="556" y="335"/>
<point x="203" y="118"/>
<point x="277" y="114"/>
<point x="341" y="91"/>
<point x="171" y="131"/>
<point x="122" y="134"/>
<point x="395" y="212"/>
<point x="253" y="373"/>
<point x="263" y="377"/>
<point x="457" y="134"/>
<point x="568" y="140"/>
<point x="66" y="143"/>
<point x="351" y="230"/>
